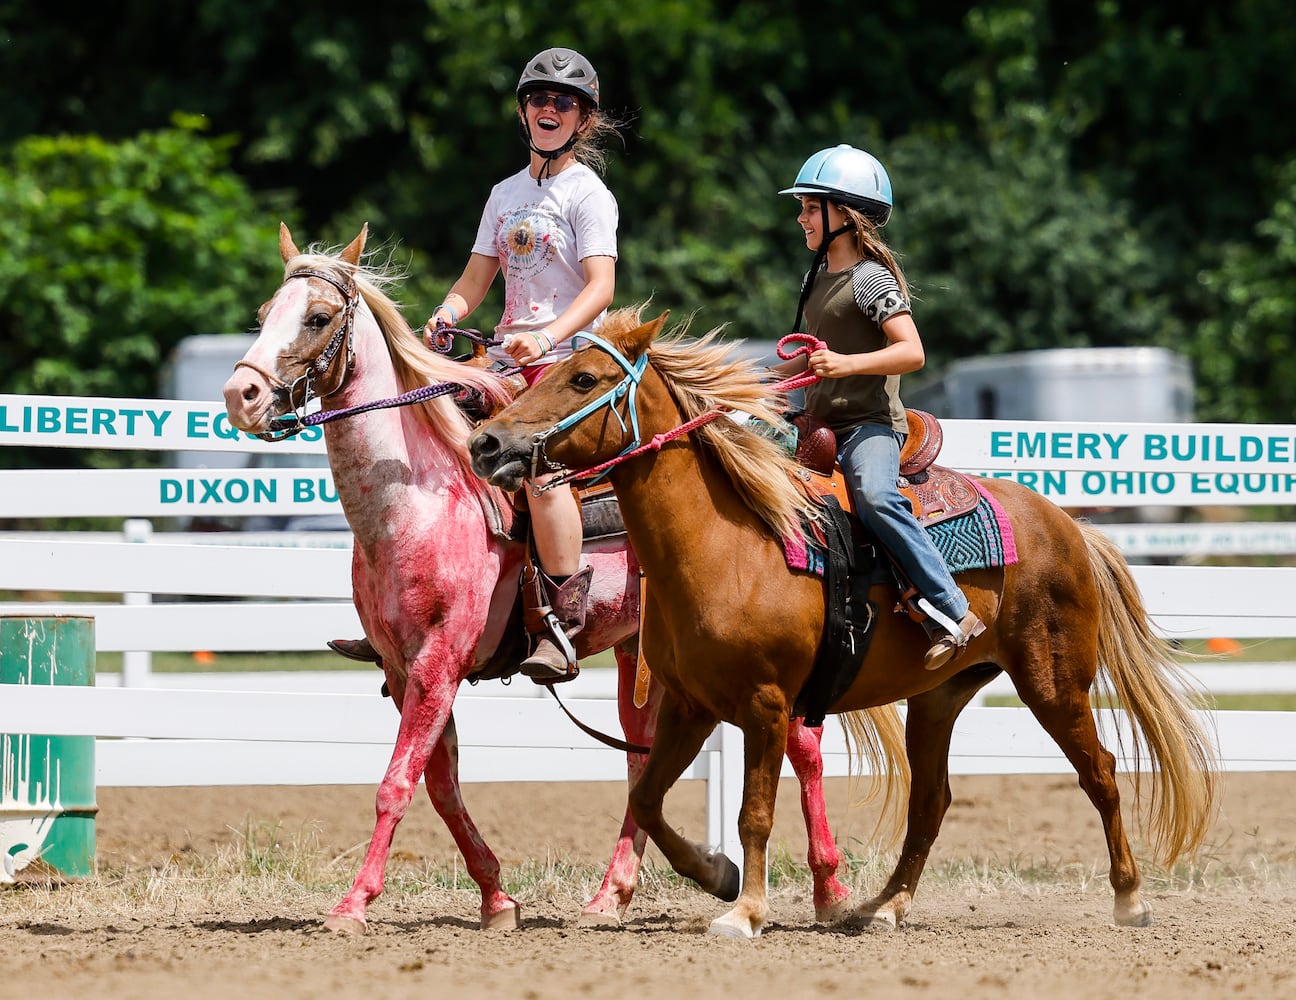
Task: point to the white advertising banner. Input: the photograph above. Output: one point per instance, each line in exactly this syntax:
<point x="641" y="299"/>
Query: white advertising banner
<point x="152" y="424"/>
<point x="1084" y="466"/>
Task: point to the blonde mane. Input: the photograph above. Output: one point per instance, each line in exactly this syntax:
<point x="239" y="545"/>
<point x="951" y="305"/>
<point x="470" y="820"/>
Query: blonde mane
<point x="415" y="366"/>
<point x="706" y="374"/>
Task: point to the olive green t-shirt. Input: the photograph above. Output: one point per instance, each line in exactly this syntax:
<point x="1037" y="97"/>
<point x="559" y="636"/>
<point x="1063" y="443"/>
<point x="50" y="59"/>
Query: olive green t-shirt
<point x="846" y="310"/>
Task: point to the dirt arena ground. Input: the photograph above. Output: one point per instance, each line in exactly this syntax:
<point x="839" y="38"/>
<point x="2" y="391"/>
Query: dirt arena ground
<point x="1016" y="904"/>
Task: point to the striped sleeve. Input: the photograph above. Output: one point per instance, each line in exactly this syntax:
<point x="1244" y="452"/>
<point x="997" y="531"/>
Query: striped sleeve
<point x="877" y="292"/>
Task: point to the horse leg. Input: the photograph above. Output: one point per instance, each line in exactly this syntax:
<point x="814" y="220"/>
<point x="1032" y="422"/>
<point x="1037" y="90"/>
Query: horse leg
<point x="929" y="727"/>
<point x="1066" y="715"/>
<point x="764" y="742"/>
<point x="610" y="903"/>
<point x="423" y="717"/>
<point x="824" y="857"/>
<point x="499" y="910"/>
<point x="678" y="739"/>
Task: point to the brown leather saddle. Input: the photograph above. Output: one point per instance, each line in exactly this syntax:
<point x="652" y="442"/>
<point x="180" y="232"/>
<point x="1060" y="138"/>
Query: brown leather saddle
<point x="934" y="492"/>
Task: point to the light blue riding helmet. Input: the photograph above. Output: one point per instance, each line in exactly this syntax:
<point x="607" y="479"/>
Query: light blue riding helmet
<point x="847" y="176"/>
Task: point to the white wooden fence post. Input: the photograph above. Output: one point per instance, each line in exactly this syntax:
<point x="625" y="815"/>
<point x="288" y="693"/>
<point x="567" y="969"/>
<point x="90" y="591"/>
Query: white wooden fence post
<point x="730" y="773"/>
<point x="137" y="664"/>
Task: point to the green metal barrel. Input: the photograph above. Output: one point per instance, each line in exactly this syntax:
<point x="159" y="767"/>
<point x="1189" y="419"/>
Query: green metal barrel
<point x="47" y="783"/>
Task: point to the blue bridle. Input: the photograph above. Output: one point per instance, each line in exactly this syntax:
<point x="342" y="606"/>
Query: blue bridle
<point x="628" y="388"/>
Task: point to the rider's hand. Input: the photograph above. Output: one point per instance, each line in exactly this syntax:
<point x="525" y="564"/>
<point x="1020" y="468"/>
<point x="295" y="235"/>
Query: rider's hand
<point x="528" y="348"/>
<point x="440" y="319"/>
<point x="829" y="364"/>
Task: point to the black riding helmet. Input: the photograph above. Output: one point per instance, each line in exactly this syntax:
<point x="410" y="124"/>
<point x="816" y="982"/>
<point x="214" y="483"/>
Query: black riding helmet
<point x="564" y="71"/>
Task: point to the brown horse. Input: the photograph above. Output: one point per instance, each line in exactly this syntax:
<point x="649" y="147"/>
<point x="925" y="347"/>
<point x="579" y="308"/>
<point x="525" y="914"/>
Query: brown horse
<point x="731" y="632"/>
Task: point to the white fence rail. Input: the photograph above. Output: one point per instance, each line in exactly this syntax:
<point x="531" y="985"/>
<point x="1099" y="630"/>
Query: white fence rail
<point x="180" y="734"/>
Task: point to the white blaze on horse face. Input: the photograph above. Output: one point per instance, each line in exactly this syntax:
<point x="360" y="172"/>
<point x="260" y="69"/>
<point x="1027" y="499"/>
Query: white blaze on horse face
<point x="283" y="323"/>
<point x="248" y="394"/>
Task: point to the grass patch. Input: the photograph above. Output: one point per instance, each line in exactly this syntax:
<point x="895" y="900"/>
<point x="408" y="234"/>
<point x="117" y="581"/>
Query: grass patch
<point x="289" y="874"/>
<point x="202" y="662"/>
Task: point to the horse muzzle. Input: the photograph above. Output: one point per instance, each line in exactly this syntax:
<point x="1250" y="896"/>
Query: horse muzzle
<point x="250" y="401"/>
<point x="496" y="462"/>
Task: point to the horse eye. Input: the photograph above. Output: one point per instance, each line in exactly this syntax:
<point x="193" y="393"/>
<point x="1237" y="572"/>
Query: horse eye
<point x="584" y="380"/>
<point x="319" y="320"/>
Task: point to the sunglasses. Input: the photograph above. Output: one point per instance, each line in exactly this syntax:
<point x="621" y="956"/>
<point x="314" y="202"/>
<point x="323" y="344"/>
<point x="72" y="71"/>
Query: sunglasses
<point x="562" y="102"/>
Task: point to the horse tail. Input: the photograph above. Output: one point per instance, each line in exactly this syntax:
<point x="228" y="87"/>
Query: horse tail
<point x="875" y="738"/>
<point x="1138" y="668"/>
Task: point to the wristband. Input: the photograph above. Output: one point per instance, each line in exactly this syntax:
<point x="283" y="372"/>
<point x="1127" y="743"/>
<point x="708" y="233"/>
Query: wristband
<point x="540" y="344"/>
<point x="454" y="316"/>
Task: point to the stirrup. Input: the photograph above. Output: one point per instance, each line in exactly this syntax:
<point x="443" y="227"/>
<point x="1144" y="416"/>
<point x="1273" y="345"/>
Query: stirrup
<point x="556" y="613"/>
<point x="948" y="645"/>
<point x="550" y="664"/>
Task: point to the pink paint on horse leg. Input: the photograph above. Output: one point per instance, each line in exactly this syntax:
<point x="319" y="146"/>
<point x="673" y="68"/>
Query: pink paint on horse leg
<point x="423" y="718"/>
<point x="499" y="911"/>
<point x="803" y="752"/>
<point x="610" y="903"/>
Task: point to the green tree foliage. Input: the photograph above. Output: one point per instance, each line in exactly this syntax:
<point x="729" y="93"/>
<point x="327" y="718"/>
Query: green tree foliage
<point x="110" y="252"/>
<point x="1013" y="248"/>
<point x="1063" y="172"/>
<point x="1244" y="349"/>
<point x="1010" y="250"/>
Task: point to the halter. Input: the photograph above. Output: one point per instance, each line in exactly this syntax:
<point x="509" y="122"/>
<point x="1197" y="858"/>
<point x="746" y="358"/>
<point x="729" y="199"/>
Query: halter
<point x="627" y="387"/>
<point x="293" y="421"/>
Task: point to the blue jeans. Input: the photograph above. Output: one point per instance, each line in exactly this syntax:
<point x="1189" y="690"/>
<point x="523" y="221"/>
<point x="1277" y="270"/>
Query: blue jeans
<point x="870" y="458"/>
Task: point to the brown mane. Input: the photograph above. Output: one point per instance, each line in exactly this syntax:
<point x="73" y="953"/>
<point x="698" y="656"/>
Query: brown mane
<point x="705" y="374"/>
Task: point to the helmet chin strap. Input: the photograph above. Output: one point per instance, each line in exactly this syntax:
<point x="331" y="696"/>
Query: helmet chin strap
<point x="820" y="256"/>
<point x="549" y="154"/>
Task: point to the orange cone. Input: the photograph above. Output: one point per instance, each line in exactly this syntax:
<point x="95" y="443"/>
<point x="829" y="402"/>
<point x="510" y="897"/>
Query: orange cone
<point x="1229" y="647"/>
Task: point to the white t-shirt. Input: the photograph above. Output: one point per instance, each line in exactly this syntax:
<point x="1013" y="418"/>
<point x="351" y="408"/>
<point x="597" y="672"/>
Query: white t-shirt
<point x="540" y="235"/>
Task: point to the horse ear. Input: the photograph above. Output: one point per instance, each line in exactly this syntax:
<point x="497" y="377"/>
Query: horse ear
<point x="647" y="333"/>
<point x="356" y="247"/>
<point x="287" y="248"/>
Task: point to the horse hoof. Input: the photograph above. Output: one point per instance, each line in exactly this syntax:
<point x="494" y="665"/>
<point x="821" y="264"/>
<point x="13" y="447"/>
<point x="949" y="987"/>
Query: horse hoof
<point x="1139" y="915"/>
<point x="594" y="919"/>
<point x="730" y="926"/>
<point x="729" y="882"/>
<point x="833" y="904"/>
<point x="830" y="913"/>
<point x="872" y="919"/>
<point x="349" y="926"/>
<point x="508" y="919"/>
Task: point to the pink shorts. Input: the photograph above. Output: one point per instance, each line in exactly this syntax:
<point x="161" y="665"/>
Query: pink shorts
<point x="532" y="374"/>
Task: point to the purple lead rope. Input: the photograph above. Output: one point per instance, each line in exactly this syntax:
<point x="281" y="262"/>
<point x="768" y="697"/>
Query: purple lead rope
<point x="442" y="341"/>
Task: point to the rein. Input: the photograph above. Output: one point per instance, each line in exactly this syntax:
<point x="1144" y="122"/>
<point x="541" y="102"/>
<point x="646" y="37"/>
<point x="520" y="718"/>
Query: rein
<point x="288" y="425"/>
<point x="629" y="386"/>
<point x="608" y="741"/>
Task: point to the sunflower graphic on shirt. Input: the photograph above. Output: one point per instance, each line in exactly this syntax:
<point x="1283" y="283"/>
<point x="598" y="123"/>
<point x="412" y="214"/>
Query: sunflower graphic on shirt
<point x="526" y="239"/>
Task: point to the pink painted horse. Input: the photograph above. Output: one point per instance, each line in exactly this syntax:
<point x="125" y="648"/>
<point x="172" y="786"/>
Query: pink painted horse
<point x="435" y="572"/>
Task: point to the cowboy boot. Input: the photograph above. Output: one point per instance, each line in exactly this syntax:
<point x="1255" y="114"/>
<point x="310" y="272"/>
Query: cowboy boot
<point x="557" y="613"/>
<point x="356" y="649"/>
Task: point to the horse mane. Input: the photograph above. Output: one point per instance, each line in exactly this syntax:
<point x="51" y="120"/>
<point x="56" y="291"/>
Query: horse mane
<point x="706" y="374"/>
<point x="415" y="366"/>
